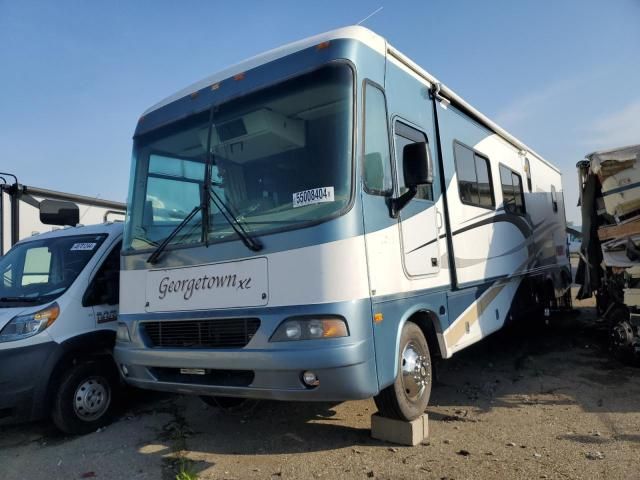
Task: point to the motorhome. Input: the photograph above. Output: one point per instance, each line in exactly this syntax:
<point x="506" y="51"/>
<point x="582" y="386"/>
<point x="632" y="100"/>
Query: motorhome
<point x="320" y="222"/>
<point x="58" y="316"/>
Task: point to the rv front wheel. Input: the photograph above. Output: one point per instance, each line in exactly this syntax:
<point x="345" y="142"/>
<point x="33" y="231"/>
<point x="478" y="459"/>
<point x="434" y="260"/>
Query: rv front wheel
<point x="408" y="396"/>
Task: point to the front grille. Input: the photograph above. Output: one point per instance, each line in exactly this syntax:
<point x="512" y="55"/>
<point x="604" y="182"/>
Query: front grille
<point x="222" y="333"/>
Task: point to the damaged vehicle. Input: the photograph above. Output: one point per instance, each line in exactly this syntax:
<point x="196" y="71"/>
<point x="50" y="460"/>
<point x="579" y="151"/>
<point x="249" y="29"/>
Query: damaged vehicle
<point x="610" y="253"/>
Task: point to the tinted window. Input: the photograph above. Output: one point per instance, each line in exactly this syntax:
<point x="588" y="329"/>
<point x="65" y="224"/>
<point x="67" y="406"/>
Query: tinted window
<point x="512" y="194"/>
<point x="377" y="159"/>
<point x="403" y="136"/>
<point x="474" y="177"/>
<point x="105" y="286"/>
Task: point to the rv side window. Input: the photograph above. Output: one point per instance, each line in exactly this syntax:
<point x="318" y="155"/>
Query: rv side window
<point x="474" y="177"/>
<point x="512" y="194"/>
<point x="554" y="199"/>
<point x="377" y="159"/>
<point x="405" y="135"/>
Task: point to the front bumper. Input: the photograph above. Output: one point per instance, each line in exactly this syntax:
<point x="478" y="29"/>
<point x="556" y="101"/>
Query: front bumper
<point x="345" y="372"/>
<point x="24" y="375"/>
<point x="345" y="367"/>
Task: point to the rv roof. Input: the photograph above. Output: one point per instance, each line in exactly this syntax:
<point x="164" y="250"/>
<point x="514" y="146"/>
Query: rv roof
<point x="371" y="39"/>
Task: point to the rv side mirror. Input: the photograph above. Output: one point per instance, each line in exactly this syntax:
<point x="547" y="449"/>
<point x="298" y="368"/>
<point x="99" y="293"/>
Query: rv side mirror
<point x="417" y="166"/>
<point x="57" y="212"/>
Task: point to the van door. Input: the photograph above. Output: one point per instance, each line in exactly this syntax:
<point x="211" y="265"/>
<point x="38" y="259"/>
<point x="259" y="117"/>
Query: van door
<point x="103" y="292"/>
<point x="419" y="220"/>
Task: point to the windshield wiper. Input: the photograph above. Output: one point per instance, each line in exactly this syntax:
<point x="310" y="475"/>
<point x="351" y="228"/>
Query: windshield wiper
<point x="20" y="299"/>
<point x="208" y="194"/>
<point x="251" y="242"/>
<point x="153" y="258"/>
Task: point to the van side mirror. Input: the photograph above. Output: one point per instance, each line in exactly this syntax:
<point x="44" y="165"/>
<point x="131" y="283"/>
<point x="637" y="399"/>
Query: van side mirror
<point x="417" y="169"/>
<point x="58" y="212"/>
<point x="417" y="166"/>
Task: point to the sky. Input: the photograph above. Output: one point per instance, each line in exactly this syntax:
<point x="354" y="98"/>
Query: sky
<point x="561" y="75"/>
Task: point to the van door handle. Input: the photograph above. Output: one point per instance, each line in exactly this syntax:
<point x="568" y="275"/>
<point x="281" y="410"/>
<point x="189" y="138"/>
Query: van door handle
<point x="439" y="222"/>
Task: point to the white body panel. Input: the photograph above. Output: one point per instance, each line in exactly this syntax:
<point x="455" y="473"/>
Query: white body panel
<point x="324" y="273"/>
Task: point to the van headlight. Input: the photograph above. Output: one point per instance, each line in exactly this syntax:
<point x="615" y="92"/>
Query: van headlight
<point x="310" y="328"/>
<point x="24" y="326"/>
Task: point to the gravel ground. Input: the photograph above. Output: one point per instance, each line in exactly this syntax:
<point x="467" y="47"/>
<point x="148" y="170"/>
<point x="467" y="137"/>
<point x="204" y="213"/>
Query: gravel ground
<point x="534" y="402"/>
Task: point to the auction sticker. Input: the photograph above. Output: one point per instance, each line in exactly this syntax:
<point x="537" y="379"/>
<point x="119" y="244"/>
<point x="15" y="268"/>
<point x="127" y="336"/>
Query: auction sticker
<point x="315" y="195"/>
<point x="83" y="246"/>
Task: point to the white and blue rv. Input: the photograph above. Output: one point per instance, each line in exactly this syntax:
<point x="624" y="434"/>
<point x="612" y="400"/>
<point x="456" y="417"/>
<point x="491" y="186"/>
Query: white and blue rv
<point x="320" y="222"/>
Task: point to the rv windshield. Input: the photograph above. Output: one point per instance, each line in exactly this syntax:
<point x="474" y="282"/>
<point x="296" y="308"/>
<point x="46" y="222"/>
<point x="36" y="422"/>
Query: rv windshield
<point x="38" y="271"/>
<point x="281" y="159"/>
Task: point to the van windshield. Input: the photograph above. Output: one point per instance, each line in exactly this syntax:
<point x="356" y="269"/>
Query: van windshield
<point x="38" y="271"/>
<point x="281" y="158"/>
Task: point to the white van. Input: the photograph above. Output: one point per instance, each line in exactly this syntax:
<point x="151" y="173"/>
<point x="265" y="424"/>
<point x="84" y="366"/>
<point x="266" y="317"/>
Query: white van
<point x="58" y="316"/>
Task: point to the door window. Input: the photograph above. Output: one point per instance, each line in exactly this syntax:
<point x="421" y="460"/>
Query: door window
<point x="403" y="136"/>
<point x="105" y="286"/>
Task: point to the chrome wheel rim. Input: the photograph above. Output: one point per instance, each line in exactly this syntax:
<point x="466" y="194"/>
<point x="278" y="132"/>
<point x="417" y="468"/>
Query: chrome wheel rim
<point x="92" y="399"/>
<point x="416" y="372"/>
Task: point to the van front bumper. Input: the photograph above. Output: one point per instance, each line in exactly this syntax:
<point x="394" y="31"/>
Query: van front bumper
<point x="24" y="375"/>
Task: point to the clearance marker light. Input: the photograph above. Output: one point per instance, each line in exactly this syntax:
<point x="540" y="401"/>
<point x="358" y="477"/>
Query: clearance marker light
<point x="323" y="45"/>
<point x="377" y="317"/>
<point x="215" y="86"/>
<point x="239" y="76"/>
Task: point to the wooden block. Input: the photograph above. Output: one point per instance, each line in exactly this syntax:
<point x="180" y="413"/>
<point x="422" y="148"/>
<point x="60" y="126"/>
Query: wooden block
<point x="398" y="431"/>
<point x="620" y="230"/>
<point x="632" y="297"/>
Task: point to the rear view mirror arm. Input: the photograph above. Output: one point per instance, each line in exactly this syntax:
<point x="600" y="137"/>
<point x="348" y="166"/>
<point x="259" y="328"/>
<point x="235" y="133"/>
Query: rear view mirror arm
<point x="397" y="204"/>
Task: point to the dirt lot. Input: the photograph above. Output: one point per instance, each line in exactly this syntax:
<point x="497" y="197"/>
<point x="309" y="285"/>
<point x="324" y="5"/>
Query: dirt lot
<point x="528" y="403"/>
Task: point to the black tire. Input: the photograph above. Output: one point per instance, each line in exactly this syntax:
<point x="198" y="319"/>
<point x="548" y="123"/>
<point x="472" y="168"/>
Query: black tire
<point x="407" y="398"/>
<point x="231" y="405"/>
<point x="85" y="396"/>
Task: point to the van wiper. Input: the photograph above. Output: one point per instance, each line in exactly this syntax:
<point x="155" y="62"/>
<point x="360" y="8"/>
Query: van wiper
<point x="20" y="299"/>
<point x="153" y="258"/>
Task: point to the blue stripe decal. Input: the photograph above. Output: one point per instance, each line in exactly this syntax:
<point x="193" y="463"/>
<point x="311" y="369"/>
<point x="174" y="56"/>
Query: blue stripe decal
<point x="621" y="189"/>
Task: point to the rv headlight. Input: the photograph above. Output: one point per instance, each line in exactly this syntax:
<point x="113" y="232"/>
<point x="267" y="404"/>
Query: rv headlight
<point x="122" y="333"/>
<point x="24" y="326"/>
<point x="311" y="328"/>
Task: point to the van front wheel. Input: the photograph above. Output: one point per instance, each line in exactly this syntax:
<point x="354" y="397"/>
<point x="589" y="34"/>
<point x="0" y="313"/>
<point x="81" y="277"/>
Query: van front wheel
<point x="85" y="395"/>
<point x="408" y="396"/>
